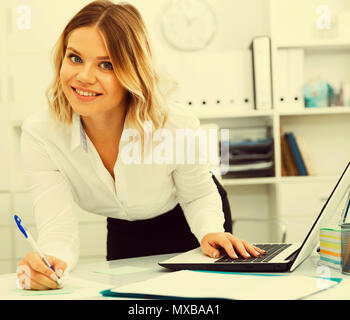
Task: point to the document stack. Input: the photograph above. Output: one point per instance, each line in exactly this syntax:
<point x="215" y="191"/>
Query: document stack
<point x="251" y="158"/>
<point x="330" y="247"/>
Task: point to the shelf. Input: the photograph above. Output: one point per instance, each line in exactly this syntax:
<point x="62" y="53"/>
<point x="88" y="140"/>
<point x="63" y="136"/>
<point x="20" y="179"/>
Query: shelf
<point x="216" y="112"/>
<point x="248" y="181"/>
<point x="322" y="44"/>
<point x="307" y="179"/>
<point x="205" y="113"/>
<point x="314" y="111"/>
<point x="280" y="180"/>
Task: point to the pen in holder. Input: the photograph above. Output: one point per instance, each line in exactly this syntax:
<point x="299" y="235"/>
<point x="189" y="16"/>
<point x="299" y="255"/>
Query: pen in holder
<point x="345" y="239"/>
<point x="345" y="210"/>
<point x="345" y="248"/>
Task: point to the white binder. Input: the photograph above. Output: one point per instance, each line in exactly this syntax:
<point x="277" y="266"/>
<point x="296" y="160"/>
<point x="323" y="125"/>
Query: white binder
<point x="223" y="80"/>
<point x="212" y="82"/>
<point x="290" y="79"/>
<point x="241" y="71"/>
<point x="295" y="78"/>
<point x="282" y="79"/>
<point x="262" y="72"/>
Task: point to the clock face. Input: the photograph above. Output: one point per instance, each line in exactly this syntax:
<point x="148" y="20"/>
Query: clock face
<point x="188" y="24"/>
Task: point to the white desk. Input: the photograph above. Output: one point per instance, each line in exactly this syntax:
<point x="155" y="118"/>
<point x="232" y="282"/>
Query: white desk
<point x="309" y="267"/>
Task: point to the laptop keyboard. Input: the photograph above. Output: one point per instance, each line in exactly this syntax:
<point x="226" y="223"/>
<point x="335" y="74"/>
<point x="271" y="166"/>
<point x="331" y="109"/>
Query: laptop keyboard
<point x="272" y="250"/>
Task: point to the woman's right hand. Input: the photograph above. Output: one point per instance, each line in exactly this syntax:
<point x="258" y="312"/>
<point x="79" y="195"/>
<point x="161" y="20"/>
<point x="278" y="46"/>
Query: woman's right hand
<point x="34" y="274"/>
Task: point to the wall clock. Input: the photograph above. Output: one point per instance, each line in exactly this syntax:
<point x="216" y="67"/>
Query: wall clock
<point x="188" y="24"/>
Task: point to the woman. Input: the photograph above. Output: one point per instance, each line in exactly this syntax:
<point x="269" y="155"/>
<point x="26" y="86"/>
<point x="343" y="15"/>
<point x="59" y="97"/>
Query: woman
<point x="79" y="150"/>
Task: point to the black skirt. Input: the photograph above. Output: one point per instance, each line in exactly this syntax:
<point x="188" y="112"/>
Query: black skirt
<point x="167" y="233"/>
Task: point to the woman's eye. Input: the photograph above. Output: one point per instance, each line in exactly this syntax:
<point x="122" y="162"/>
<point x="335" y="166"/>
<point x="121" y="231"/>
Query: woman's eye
<point x="76" y="59"/>
<point x="108" y="65"/>
<point x="73" y="56"/>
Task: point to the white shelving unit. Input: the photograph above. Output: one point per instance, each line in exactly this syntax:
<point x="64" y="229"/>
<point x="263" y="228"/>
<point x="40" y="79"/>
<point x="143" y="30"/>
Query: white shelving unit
<point x="296" y="201"/>
<point x="314" y="188"/>
<point x="274" y="116"/>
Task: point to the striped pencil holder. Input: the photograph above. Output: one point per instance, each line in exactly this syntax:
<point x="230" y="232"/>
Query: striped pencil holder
<point x="330" y="247"/>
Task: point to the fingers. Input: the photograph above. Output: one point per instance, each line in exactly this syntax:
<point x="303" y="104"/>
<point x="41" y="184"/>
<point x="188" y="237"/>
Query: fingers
<point x="31" y="279"/>
<point x="33" y="273"/>
<point x="59" y="265"/>
<point x="211" y="243"/>
<point x="225" y="243"/>
<point x="261" y="251"/>
<point x="241" y="246"/>
<point x="232" y="245"/>
<point x="28" y="283"/>
<point x="37" y="264"/>
<point x="210" y="250"/>
<point x="245" y="249"/>
<point x="48" y="283"/>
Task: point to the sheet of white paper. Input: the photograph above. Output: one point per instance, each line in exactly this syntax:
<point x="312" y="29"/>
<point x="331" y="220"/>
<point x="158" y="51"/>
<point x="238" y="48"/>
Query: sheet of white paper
<point x="191" y="284"/>
<point x="74" y="288"/>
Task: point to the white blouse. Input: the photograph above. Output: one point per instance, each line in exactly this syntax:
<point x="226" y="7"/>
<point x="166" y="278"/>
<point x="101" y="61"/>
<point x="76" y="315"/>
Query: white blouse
<point x="63" y="166"/>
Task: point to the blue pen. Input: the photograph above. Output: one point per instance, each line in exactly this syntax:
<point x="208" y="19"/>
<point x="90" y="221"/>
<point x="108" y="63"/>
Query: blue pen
<point x="346" y="211"/>
<point x="28" y="236"/>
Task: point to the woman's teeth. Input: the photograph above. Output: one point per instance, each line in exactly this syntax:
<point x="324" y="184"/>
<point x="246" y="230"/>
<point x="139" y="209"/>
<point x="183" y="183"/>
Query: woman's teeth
<point x="86" y="94"/>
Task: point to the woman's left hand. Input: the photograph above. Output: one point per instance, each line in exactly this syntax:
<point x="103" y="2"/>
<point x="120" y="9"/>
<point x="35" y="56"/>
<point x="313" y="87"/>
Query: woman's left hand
<point x="212" y="242"/>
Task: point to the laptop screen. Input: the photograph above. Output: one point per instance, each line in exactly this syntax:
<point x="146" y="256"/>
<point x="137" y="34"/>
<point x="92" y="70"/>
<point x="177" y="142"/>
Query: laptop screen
<point x="324" y="217"/>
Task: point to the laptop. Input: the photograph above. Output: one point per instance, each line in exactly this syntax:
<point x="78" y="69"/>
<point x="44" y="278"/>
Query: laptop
<point x="279" y="257"/>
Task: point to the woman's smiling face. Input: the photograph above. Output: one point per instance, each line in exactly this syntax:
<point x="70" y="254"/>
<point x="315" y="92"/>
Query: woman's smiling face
<point x="87" y="68"/>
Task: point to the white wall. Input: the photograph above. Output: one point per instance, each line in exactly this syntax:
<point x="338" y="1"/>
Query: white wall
<point x="238" y="22"/>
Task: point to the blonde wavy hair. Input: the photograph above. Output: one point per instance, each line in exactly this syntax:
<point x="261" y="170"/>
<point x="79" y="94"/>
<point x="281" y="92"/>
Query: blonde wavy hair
<point x="125" y="36"/>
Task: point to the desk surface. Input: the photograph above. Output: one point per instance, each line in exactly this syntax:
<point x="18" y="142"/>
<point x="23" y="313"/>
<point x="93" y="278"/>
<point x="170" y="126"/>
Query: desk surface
<point x="86" y="271"/>
<point x="309" y="267"/>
